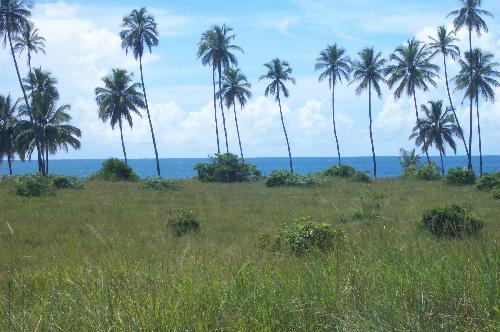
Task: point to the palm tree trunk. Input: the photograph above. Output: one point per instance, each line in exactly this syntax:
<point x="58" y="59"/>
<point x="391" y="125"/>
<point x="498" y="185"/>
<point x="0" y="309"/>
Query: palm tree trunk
<point x="215" y="111"/>
<point x="284" y="130"/>
<point x="238" y="131"/>
<point x="334" y="124"/>
<point x="479" y="136"/>
<point x="123" y="143"/>
<point x="149" y="119"/>
<point x="222" y="107"/>
<point x="452" y="107"/>
<point x="442" y="164"/>
<point x="418" y="124"/>
<point x="9" y="161"/>
<point x="470" y="101"/>
<point x="37" y="138"/>
<point x="371" y="134"/>
<point x="39" y="153"/>
<point x="46" y="160"/>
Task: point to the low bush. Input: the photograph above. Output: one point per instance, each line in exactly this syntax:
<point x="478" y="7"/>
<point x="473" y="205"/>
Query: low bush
<point x="361" y="177"/>
<point x="115" y="170"/>
<point x="342" y="171"/>
<point x="67" y="182"/>
<point x="34" y="185"/>
<point x="280" y="178"/>
<point x="161" y="184"/>
<point x="452" y="221"/>
<point x="226" y="168"/>
<point x="460" y="177"/>
<point x="489" y="182"/>
<point x="495" y="193"/>
<point x="183" y="222"/>
<point x="425" y="173"/>
<point x="370" y="206"/>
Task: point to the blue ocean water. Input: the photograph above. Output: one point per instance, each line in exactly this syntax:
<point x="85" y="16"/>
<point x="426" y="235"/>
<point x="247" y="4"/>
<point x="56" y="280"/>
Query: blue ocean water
<point x="182" y="168"/>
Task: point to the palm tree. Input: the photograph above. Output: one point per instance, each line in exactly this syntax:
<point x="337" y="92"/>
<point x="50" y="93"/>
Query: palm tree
<point x="437" y="128"/>
<point x="140" y="31"/>
<point x="444" y="43"/>
<point x="470" y="17"/>
<point x="235" y="87"/>
<point x="30" y="41"/>
<point x="411" y="70"/>
<point x="118" y="99"/>
<point x="409" y="159"/>
<point x="279" y="72"/>
<point x="336" y="66"/>
<point x="8" y="128"/>
<point x="368" y="71"/>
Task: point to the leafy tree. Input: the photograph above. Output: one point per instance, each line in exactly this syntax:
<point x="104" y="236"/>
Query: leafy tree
<point x="369" y="71"/>
<point x="279" y="72"/>
<point x="335" y="65"/>
<point x="409" y="160"/>
<point x="411" y="69"/>
<point x="8" y="128"/>
<point x="235" y="88"/>
<point x="436" y="129"/>
<point x="140" y="32"/>
<point x="118" y="99"/>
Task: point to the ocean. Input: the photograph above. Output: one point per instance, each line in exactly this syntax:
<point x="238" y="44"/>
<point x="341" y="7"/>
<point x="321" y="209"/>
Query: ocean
<point x="182" y="168"/>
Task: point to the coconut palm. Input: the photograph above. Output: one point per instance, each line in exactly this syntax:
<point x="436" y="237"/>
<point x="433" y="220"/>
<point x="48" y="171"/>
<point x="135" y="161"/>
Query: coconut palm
<point x="335" y="65"/>
<point x="279" y="72"/>
<point x="411" y="69"/>
<point x="444" y="43"/>
<point x="409" y="159"/>
<point x="470" y="16"/>
<point x="369" y="71"/>
<point x="8" y="127"/>
<point x="140" y="32"/>
<point x="30" y="41"/>
<point x="437" y="129"/>
<point x="118" y="99"/>
<point x="235" y="88"/>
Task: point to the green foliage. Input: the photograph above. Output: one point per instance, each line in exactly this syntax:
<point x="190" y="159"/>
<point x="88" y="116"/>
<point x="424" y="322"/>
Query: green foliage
<point x="34" y="185"/>
<point x="370" y="206"/>
<point x="425" y="173"/>
<point x="495" y="193"/>
<point x="460" y="177"/>
<point x="67" y="182"/>
<point x="488" y="182"/>
<point x="115" y="170"/>
<point x="226" y="168"/>
<point x="161" y="184"/>
<point x="342" y="171"/>
<point x="280" y="178"/>
<point x="183" y="222"/>
<point x="452" y="221"/>
<point x="361" y="177"/>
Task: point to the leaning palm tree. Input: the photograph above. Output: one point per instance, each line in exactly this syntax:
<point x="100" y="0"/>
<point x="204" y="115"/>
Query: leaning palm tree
<point x="369" y="71"/>
<point x="411" y="69"/>
<point x="118" y="99"/>
<point x="470" y="16"/>
<point x="444" y="43"/>
<point x="335" y="65"/>
<point x="8" y="125"/>
<point x="279" y="72"/>
<point x="235" y="88"/>
<point x="436" y="129"/>
<point x="141" y="31"/>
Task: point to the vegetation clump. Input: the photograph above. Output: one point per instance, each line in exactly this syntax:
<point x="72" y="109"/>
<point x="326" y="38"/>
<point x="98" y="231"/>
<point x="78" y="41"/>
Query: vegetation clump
<point x="161" y="184"/>
<point x="342" y="171"/>
<point x="452" y="221"/>
<point x="360" y="177"/>
<point x="425" y="173"/>
<point x="495" y="193"/>
<point x="67" y="182"/>
<point x="280" y="178"/>
<point x="488" y="182"/>
<point x="460" y="177"/>
<point x="34" y="185"/>
<point x="184" y="221"/>
<point x="371" y="204"/>
<point x="115" y="170"/>
<point x="226" y="168"/>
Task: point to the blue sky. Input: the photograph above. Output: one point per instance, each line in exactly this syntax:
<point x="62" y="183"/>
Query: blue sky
<point x="83" y="45"/>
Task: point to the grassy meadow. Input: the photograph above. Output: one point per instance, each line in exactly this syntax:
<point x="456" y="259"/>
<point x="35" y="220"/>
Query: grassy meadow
<point x="101" y="259"/>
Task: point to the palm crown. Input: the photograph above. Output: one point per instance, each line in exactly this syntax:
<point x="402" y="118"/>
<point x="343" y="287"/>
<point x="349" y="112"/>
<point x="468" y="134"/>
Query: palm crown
<point x="469" y="16"/>
<point x="279" y="72"/>
<point x="235" y="87"/>
<point x="369" y="71"/>
<point x="140" y="31"/>
<point x="14" y="16"/>
<point x="215" y="47"/>
<point x="444" y="43"/>
<point x="334" y="63"/>
<point x="29" y="40"/>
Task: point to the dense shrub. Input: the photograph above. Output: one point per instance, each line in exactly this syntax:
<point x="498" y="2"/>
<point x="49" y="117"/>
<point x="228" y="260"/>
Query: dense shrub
<point x="495" y="193"/>
<point x="115" y="170"/>
<point x="279" y="178"/>
<point x="160" y="184"/>
<point x="361" y="177"/>
<point x="226" y="168"/>
<point x="489" y="182"/>
<point x="460" y="177"/>
<point x="183" y="222"/>
<point x="425" y="173"/>
<point x="34" y="185"/>
<point x="342" y="171"/>
<point x="452" y="221"/>
<point x="67" y="182"/>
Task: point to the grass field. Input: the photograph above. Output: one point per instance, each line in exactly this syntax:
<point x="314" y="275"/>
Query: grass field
<point x="101" y="259"/>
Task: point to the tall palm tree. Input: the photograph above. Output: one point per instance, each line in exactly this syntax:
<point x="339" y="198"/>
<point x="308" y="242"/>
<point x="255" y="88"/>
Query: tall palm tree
<point x="8" y="128"/>
<point x="235" y="88"/>
<point x="444" y="43"/>
<point x="470" y="16"/>
<point x="411" y="69"/>
<point x="30" y="41"/>
<point x="437" y="128"/>
<point x="335" y="65"/>
<point x="369" y="72"/>
<point x="279" y="72"/>
<point x="141" y="31"/>
<point x="118" y="99"/>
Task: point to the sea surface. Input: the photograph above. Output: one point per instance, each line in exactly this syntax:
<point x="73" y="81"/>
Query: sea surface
<point x="182" y="168"/>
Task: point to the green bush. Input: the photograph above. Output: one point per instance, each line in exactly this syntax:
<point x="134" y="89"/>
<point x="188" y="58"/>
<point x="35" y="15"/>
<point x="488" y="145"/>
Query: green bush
<point x="226" y="168"/>
<point x="361" y="177"/>
<point x="489" y="182"/>
<point x="67" y="182"/>
<point x="370" y="206"/>
<point x="495" y="193"/>
<point x="184" y="222"/>
<point x="160" y="184"/>
<point x="34" y="185"/>
<point x="425" y="173"/>
<point x="460" y="177"/>
<point x="342" y="171"/>
<point x="115" y="170"/>
<point x="280" y="178"/>
<point x="452" y="221"/>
